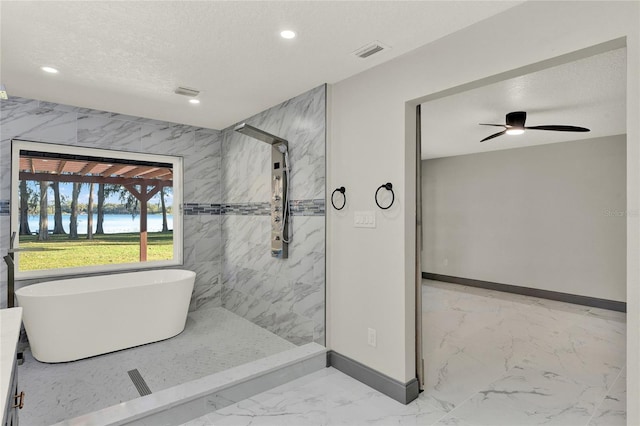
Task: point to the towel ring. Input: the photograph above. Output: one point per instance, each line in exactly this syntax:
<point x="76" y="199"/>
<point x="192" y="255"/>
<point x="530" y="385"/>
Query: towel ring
<point x="341" y="190"/>
<point x="389" y="187"/>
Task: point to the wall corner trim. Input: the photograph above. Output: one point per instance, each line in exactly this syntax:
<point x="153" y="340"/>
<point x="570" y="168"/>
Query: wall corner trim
<point x="401" y="392"/>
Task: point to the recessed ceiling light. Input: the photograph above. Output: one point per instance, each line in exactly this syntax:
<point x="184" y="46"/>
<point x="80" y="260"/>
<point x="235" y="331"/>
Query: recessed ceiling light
<point x="194" y="101"/>
<point x="50" y="70"/>
<point x="287" y="34"/>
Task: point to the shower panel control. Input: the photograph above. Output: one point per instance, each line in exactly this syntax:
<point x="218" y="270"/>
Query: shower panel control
<point x="279" y="195"/>
<point x="279" y="222"/>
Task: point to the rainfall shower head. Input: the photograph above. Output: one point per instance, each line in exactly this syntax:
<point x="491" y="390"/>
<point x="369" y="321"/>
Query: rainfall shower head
<point x="263" y="136"/>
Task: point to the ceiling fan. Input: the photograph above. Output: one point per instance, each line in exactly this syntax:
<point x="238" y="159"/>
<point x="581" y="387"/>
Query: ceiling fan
<point x="515" y="126"/>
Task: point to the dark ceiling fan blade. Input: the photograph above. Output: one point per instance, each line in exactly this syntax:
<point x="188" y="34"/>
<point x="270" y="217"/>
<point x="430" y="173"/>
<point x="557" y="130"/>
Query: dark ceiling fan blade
<point x="497" y="125"/>
<point x="559" y="128"/>
<point x="495" y="135"/>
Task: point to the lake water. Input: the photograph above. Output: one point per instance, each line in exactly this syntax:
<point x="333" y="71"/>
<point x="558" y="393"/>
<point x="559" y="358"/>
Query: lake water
<point x="113" y="223"/>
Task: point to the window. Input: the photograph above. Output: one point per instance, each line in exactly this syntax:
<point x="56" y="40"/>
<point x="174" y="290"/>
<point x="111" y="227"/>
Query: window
<point x="80" y="210"/>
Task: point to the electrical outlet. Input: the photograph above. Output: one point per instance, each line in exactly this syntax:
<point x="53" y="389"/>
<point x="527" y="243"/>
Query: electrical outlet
<point x="371" y="337"/>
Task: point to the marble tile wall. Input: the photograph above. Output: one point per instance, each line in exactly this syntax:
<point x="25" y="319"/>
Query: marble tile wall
<point x="285" y="296"/>
<point x="201" y="149"/>
<point x="226" y="201"/>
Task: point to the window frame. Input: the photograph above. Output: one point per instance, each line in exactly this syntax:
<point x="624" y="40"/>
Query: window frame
<point x="18" y="145"/>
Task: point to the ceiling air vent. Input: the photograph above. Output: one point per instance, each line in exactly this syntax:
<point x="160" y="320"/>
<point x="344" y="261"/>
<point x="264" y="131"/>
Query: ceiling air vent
<point x="187" y="92"/>
<point x="370" y="49"/>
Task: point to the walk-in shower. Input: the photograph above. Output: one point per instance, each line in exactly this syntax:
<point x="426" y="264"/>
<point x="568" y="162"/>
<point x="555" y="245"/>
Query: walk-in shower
<point x="279" y="187"/>
<point x="241" y="295"/>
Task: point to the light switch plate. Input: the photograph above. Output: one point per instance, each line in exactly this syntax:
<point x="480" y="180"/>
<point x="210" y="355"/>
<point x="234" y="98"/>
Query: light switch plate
<point x="364" y="219"/>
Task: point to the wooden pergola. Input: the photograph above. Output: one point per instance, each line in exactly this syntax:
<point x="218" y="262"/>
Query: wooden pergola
<point x="142" y="179"/>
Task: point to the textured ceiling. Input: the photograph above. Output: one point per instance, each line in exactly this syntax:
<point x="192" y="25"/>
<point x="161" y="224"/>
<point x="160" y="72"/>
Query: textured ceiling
<point x="128" y="57"/>
<point x="589" y="92"/>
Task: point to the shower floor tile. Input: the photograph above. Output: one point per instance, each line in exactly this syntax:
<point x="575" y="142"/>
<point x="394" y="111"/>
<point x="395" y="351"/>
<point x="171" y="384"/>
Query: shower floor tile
<point x="213" y="340"/>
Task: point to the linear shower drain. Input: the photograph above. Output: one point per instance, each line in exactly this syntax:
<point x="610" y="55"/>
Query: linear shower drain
<point x="138" y="382"/>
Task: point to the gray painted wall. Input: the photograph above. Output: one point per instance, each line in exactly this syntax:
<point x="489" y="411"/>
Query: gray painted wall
<point x="550" y="217"/>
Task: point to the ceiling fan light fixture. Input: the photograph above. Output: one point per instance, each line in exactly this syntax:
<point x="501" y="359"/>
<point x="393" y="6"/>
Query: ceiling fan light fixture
<point x="514" y="125"/>
<point x="515" y="131"/>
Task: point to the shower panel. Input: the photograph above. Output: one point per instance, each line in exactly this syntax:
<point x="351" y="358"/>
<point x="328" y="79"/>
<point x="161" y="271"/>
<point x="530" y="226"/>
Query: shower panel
<point x="279" y="187"/>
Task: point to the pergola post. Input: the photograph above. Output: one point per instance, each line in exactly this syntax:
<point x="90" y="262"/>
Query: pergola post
<point x="143" y="196"/>
<point x="143" y="226"/>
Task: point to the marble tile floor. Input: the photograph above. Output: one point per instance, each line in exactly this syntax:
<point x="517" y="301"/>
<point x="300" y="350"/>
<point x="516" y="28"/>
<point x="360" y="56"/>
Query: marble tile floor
<point x="213" y="340"/>
<point x="491" y="355"/>
<point x="491" y="358"/>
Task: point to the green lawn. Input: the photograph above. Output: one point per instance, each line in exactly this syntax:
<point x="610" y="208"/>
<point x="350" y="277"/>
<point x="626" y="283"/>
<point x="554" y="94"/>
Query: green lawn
<point x="61" y="252"/>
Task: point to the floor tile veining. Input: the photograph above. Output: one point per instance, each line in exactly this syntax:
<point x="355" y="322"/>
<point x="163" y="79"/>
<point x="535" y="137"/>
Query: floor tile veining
<point x="213" y="340"/>
<point x="491" y="358"/>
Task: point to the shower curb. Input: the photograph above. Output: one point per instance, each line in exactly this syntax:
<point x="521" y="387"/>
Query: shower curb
<point x="182" y="403"/>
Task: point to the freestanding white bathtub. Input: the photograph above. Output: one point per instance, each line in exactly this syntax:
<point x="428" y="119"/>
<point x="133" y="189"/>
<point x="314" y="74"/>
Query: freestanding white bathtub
<point x="77" y="318"/>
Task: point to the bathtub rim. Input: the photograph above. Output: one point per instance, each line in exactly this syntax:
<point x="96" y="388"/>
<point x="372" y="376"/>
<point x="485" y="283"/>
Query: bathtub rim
<point x="24" y="289"/>
<point x="87" y="271"/>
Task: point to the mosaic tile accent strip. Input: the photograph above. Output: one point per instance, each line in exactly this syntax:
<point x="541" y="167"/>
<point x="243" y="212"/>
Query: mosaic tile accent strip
<point x="200" y="209"/>
<point x="307" y="207"/>
<point x="247" y="209"/>
<point x="298" y="208"/>
<point x="4" y="208"/>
